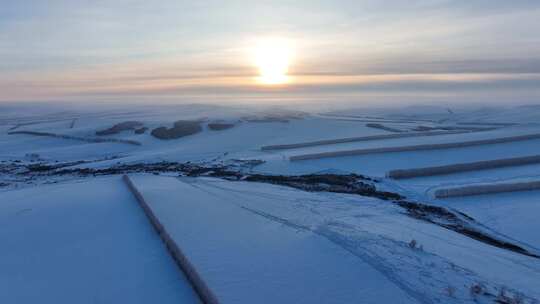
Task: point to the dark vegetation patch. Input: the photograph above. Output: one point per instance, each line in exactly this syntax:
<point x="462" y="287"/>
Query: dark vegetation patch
<point x="141" y="130"/>
<point x="499" y="124"/>
<point x="351" y="184"/>
<point x="52" y="168"/>
<point x="9" y="168"/>
<point x="477" y="235"/>
<point x="423" y="211"/>
<point x="181" y="128"/>
<point x="458" y="222"/>
<point x="43" y="167"/>
<point x="424" y="128"/>
<point x="337" y="183"/>
<point x="383" y="127"/>
<point x="72" y="124"/>
<point x="185" y="169"/>
<point x="117" y="128"/>
<point x="451" y="128"/>
<point x="218" y="126"/>
<point x="24" y="124"/>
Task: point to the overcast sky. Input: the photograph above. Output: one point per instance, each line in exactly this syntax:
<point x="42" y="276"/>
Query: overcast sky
<point x="355" y="50"/>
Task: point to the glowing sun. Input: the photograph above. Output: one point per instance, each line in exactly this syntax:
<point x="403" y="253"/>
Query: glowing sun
<point x="272" y="58"/>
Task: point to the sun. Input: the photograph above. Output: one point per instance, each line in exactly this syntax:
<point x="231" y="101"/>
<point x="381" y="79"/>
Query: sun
<point x="272" y="58"/>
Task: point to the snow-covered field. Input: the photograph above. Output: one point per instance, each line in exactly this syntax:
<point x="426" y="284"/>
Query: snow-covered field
<point x="256" y="242"/>
<point x="246" y="256"/>
<point x="83" y="242"/>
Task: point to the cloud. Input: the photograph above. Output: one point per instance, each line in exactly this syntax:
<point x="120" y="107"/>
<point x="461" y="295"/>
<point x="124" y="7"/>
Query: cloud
<point x="65" y="49"/>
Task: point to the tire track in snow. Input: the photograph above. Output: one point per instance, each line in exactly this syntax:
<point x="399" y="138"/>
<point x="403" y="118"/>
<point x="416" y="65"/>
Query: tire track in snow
<point x="383" y="269"/>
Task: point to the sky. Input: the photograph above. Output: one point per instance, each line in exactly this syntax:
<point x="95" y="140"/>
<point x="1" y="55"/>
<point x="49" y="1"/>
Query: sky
<point x="350" y="50"/>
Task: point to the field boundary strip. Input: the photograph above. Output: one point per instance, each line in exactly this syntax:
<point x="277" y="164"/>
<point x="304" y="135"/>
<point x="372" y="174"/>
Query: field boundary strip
<point x="199" y="285"/>
<point x="442" y="146"/>
<point x="357" y="139"/>
<point x="487" y="189"/>
<point x="70" y="137"/>
<point x="463" y="167"/>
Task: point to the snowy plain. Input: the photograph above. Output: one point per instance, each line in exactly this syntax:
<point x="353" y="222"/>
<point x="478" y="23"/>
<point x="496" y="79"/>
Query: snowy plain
<point x="362" y="243"/>
<point x="83" y="242"/>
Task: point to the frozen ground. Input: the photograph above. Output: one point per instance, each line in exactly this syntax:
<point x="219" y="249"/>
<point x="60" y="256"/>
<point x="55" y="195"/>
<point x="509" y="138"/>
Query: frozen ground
<point x="349" y="233"/>
<point x="231" y="244"/>
<point x="376" y="234"/>
<point x="83" y="242"/>
<point x="514" y="213"/>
